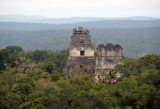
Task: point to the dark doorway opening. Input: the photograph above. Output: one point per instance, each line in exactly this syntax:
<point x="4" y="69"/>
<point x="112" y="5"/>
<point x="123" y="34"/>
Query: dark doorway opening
<point x="82" y="53"/>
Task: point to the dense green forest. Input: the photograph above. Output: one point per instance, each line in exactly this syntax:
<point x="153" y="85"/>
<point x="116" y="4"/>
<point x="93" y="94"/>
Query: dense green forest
<point x="137" y="38"/>
<point x="34" y="79"/>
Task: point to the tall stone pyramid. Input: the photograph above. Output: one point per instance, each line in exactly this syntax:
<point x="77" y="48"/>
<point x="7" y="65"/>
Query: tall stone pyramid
<point x="81" y="50"/>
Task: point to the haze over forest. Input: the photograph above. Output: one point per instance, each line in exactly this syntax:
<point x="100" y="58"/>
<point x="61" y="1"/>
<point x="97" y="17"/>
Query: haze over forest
<point x="137" y="35"/>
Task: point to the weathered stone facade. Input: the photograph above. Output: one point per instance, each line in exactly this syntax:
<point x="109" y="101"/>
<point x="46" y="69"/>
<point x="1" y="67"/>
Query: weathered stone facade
<point x="108" y="56"/>
<point x="81" y="52"/>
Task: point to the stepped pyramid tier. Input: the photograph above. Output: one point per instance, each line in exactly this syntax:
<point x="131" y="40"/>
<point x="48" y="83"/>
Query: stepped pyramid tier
<point x="81" y="50"/>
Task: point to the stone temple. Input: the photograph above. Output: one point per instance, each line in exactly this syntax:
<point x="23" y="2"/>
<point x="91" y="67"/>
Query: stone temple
<point x="108" y="56"/>
<point x="81" y="52"/>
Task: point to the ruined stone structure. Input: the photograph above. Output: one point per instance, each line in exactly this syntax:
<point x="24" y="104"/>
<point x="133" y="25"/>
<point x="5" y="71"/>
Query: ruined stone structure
<point x="81" y="52"/>
<point x="108" y="56"/>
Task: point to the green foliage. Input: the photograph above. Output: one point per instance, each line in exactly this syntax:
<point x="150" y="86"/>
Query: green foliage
<point x="56" y="60"/>
<point x="56" y="76"/>
<point x="7" y="59"/>
<point x="40" y="55"/>
<point x="151" y="61"/>
<point x="15" y="49"/>
<point x="37" y="82"/>
<point x="49" y="67"/>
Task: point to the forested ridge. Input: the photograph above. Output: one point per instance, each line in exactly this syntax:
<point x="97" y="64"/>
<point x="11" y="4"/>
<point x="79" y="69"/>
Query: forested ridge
<point x="137" y="37"/>
<point x="34" y="80"/>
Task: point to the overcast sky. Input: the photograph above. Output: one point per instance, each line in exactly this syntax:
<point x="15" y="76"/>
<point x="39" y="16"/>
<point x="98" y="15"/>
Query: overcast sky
<point x="82" y="8"/>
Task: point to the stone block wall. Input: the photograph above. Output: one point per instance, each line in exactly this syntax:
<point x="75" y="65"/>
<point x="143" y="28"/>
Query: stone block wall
<point x="108" y="56"/>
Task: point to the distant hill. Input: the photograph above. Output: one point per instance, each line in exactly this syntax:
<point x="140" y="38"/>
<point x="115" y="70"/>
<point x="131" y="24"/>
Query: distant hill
<point x="137" y="37"/>
<point x="107" y="24"/>
<point x="114" y="24"/>
<point x="143" y="18"/>
<point x="19" y="18"/>
<point x="42" y="19"/>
